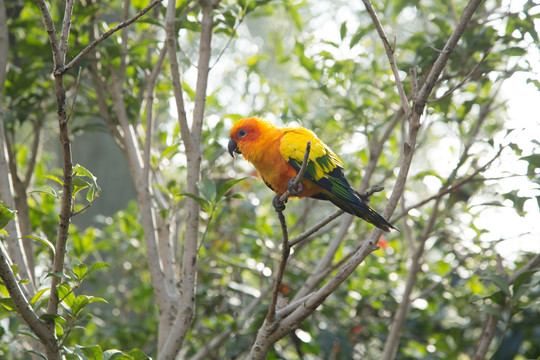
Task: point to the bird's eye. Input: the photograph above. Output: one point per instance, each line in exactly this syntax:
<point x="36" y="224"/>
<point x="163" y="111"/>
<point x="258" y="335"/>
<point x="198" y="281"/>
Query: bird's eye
<point x="242" y="133"/>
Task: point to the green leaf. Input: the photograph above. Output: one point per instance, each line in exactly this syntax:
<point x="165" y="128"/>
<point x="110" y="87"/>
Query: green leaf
<point x="343" y="30"/>
<point x="114" y="354"/>
<point x="170" y="150"/>
<point x="79" y="170"/>
<point x="500" y="282"/>
<point x="6" y="215"/>
<point x="66" y="294"/>
<point x="207" y="189"/>
<point x="492" y="310"/>
<point x="49" y="317"/>
<point x="54" y="178"/>
<point x="43" y="241"/>
<point x="97" y="266"/>
<point x="226" y="186"/>
<point x="92" y="352"/>
<point x="519" y="201"/>
<point x="37" y="353"/>
<point x="14" y="269"/>
<point x="534" y="163"/>
<point x="519" y="283"/>
<point x="80" y="271"/>
<point x="79" y="184"/>
<point x="38" y="295"/>
<point x="137" y="354"/>
<point x="206" y="205"/>
<point x="8" y="304"/>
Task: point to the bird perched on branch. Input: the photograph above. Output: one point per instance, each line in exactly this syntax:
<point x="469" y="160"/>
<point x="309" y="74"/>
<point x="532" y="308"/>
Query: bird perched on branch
<point x="277" y="154"/>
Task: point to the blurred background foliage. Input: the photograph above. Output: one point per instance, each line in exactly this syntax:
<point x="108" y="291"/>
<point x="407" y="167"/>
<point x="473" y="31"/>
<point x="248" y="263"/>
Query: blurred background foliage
<point x="317" y="64"/>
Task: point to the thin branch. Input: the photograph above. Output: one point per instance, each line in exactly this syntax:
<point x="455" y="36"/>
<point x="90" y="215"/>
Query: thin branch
<point x="285" y="252"/>
<point x="74" y="213"/>
<point x="531" y="264"/>
<point x="23" y="306"/>
<point x="390" y="54"/>
<point x="286" y="249"/>
<point x="448" y="189"/>
<point x="105" y="35"/>
<point x="464" y="80"/>
<point x="420" y="99"/>
<point x="124" y="46"/>
<point x="174" y="67"/>
<point x="66" y="26"/>
<point x="231" y="36"/>
<point x="75" y="95"/>
<point x="203" y="69"/>
<point x="392" y="340"/>
<point x="51" y="30"/>
<point x="33" y="152"/>
<point x="316" y="227"/>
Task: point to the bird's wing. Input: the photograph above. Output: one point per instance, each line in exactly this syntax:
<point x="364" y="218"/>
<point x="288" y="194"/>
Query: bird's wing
<point x="324" y="167"/>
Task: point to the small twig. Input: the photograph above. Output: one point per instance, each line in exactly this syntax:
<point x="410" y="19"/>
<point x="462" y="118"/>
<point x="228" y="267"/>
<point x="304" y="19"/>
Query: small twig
<point x="74" y="95"/>
<point x="286" y="249"/>
<point x="390" y="54"/>
<point x="303" y="236"/>
<point x="366" y="195"/>
<point x="285" y="252"/>
<point x="448" y="189"/>
<point x="464" y="80"/>
<point x="231" y="37"/>
<point x="105" y="35"/>
<point x="73" y="213"/>
<point x="435" y="49"/>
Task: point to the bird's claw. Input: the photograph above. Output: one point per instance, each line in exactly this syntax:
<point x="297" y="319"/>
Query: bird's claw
<point x="278" y="204"/>
<point x="292" y="190"/>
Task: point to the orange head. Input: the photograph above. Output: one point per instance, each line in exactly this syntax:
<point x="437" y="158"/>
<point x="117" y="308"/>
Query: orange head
<point x="250" y="133"/>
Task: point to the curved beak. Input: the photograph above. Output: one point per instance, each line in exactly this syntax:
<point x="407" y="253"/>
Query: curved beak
<point x="233" y="147"/>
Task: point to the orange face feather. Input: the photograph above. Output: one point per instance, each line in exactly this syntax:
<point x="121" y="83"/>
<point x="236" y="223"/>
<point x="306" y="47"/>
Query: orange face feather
<point x="259" y="142"/>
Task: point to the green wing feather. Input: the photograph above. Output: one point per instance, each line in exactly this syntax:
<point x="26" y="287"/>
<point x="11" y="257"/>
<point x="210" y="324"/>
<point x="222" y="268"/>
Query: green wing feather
<point x="326" y="170"/>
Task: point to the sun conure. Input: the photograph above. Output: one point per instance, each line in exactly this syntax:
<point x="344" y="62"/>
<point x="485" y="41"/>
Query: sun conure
<point x="277" y="154"/>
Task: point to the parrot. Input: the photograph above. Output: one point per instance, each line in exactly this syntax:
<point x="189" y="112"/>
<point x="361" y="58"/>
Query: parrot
<point x="277" y="155"/>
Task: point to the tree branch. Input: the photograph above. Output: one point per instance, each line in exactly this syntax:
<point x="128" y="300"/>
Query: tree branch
<point x="420" y="99"/>
<point x="176" y="76"/>
<point x="23" y="306"/>
<point x="462" y="82"/>
<point x="392" y="341"/>
<point x="448" y="189"/>
<point x="390" y="54"/>
<point x="285" y="248"/>
<point x="192" y="139"/>
<point x="66" y="26"/>
<point x="105" y="35"/>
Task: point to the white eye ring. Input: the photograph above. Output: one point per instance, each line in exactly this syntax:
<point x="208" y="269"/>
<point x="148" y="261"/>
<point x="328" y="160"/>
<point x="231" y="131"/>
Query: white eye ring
<point x="242" y="133"/>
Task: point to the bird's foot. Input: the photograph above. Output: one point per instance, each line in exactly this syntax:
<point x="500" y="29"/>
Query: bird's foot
<point x="292" y="190"/>
<point x="278" y="204"/>
<point x="365" y="196"/>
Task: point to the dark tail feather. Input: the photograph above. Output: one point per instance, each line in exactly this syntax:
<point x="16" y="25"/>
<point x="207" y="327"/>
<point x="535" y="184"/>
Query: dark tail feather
<point x="363" y="211"/>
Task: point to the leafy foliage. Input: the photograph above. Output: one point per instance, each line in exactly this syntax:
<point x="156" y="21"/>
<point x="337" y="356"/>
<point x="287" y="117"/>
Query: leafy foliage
<point x="281" y="61"/>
